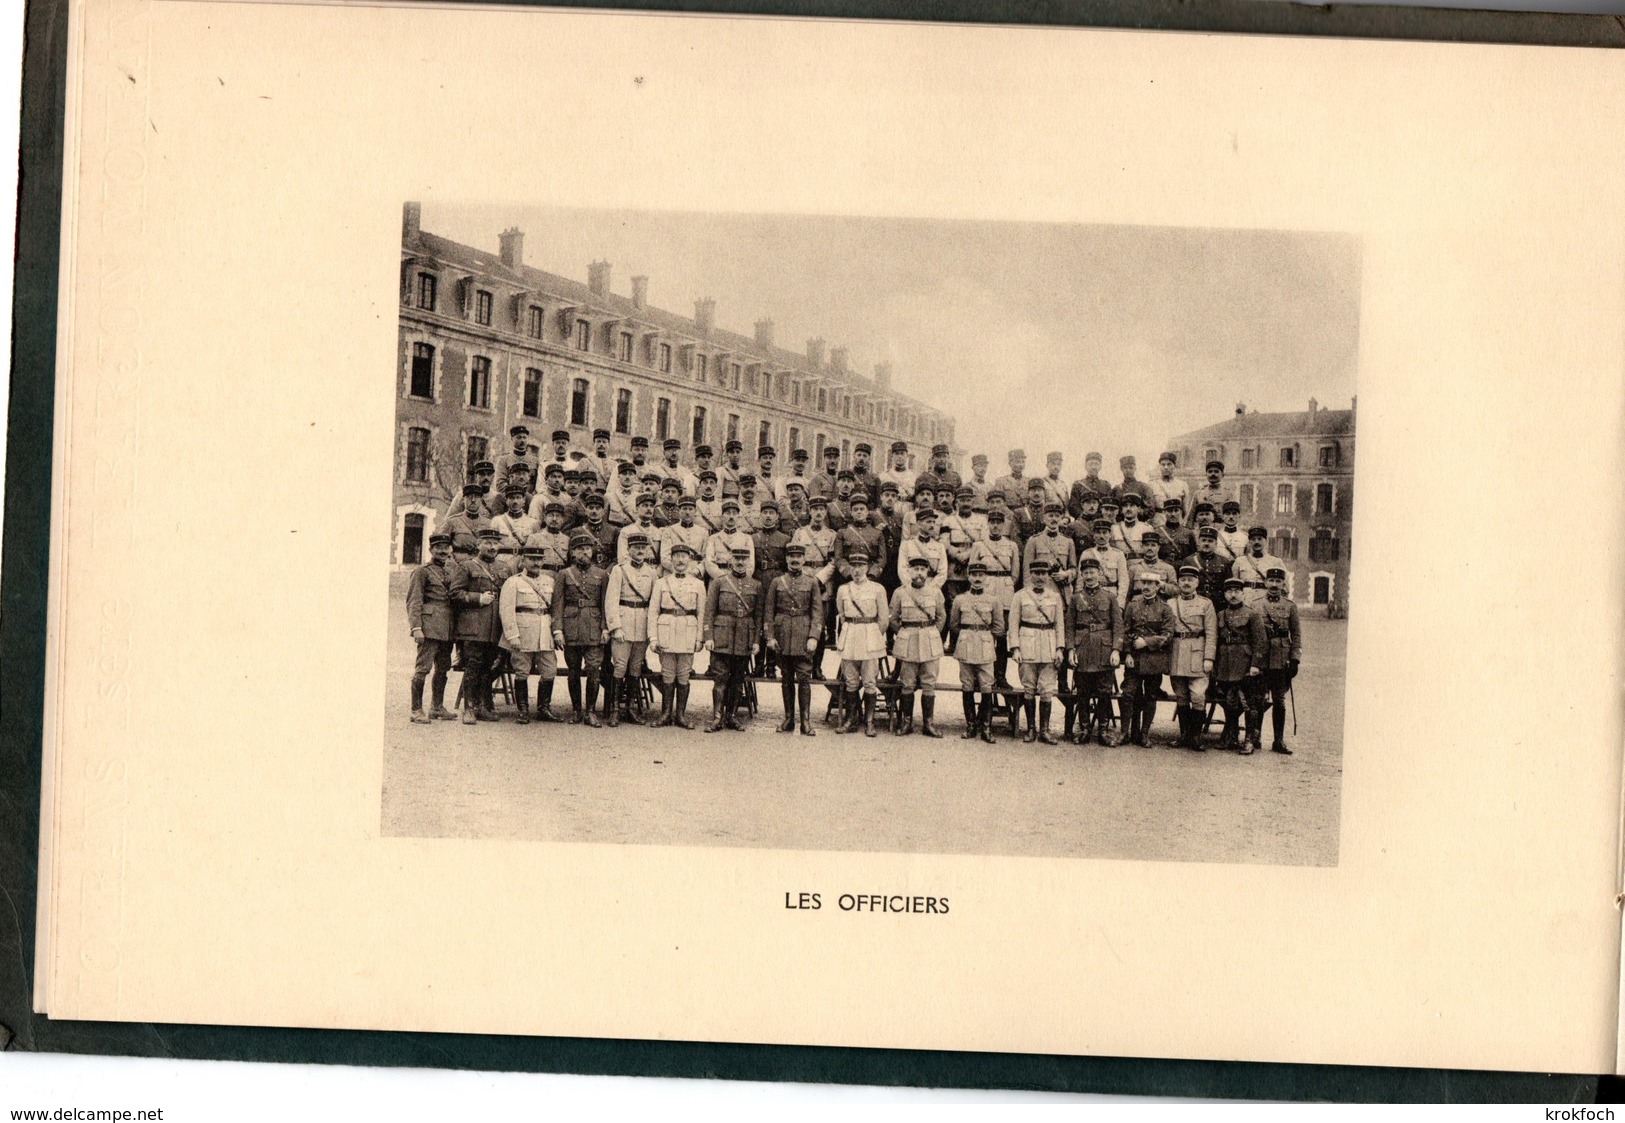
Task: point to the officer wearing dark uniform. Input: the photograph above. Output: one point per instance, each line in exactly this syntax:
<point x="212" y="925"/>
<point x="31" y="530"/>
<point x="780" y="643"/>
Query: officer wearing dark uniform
<point x="794" y="617"/>
<point x="939" y="475"/>
<point x="863" y="476"/>
<point x="1178" y="540"/>
<point x="1148" y="633"/>
<point x="1283" y="650"/>
<point x="1237" y="666"/>
<point x="578" y="625"/>
<point x="465" y="525"/>
<point x="430" y="613"/>
<point x="606" y="534"/>
<point x="1213" y="567"/>
<point x="733" y="630"/>
<point x="474" y="588"/>
<point x="1096" y="622"/>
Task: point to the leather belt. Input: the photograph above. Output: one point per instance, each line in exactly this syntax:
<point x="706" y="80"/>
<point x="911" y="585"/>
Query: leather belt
<point x="634" y="603"/>
<point x="679" y="612"/>
<point x="976" y="627"/>
<point x="527" y="608"/>
<point x="861" y="619"/>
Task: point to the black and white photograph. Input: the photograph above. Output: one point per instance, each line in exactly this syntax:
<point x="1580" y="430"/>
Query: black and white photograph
<point x="851" y="533"/>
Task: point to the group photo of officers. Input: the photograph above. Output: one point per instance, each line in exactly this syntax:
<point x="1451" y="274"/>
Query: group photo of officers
<point x="627" y="569"/>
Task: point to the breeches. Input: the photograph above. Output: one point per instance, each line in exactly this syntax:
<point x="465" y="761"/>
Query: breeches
<point x="544" y="663"/>
<point x="1039" y="678"/>
<point x="1190" y="690"/>
<point x="913" y="676"/>
<point x="627" y="656"/>
<point x="861" y="672"/>
<point x="676" y="666"/>
<point x="433" y="655"/>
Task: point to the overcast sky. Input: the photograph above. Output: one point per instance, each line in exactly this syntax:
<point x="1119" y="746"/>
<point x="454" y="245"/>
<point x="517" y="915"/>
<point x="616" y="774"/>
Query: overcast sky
<point x="1043" y="336"/>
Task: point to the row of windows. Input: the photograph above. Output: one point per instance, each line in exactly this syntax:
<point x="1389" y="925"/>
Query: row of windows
<point x="1330" y="456"/>
<point x="479" y="397"/>
<point x="1286" y="497"/>
<point x="1324" y="545"/>
<point x="731" y="375"/>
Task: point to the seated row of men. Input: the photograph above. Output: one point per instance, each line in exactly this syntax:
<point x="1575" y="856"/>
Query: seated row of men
<point x="1059" y="619"/>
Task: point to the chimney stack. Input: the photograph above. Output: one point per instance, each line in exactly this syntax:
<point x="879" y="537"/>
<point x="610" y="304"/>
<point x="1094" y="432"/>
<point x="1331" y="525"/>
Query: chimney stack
<point x="815" y="354"/>
<point x="837" y="359"/>
<point x="411" y="221"/>
<point x="883" y="376"/>
<point x="598" y="278"/>
<point x="1241" y="408"/>
<point x="512" y="242"/>
<point x="1313" y="405"/>
<point x="764" y="333"/>
<point x="640" y="292"/>
<point x="705" y="314"/>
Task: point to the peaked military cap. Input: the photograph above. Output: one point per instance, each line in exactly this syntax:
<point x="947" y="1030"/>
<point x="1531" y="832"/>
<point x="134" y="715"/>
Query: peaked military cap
<point x="670" y="443"/>
<point x="769" y="505"/>
<point x="919" y="563"/>
<point x="1101" y="524"/>
<point x="688" y="501"/>
<point x="1212" y="464"/>
<point x="977" y="568"/>
<point x="845" y="474"/>
<point x="553" y="468"/>
<point x="484" y="466"/>
<point x="1257" y="532"/>
<point x="899" y="446"/>
<point x="515" y="430"/>
<point x="818" y="501"/>
<point x="1093" y="458"/>
<point x="939" y="450"/>
<point x="1053" y="508"/>
<point x="1126" y="462"/>
<point x="1234" y="583"/>
<point x="799" y="454"/>
<point x="1172" y="505"/>
<point x="707" y="475"/>
<point x="640" y="442"/>
<point x="1089" y="563"/>
<point x="551" y="506"/>
<point x="702" y="450"/>
<point x="795" y="550"/>
<point x="859" y="497"/>
<point x="1204" y="505"/>
<point x="888" y="486"/>
<point x="863" y="446"/>
<point x="857" y="554"/>
<point x="1168" y="458"/>
<point x="644" y="500"/>
<point x="730" y="504"/>
<point x="600" y="434"/>
<point x="514" y="489"/>
<point x="1275" y="572"/>
<point x="533" y="551"/>
<point x="1208" y="532"/>
<point x="1232" y="505"/>
<point x="639" y="539"/>
<point x="1132" y="498"/>
<point x="593" y="499"/>
<point x="766" y="450"/>
<point x="489" y="532"/>
<point x="740" y="551"/>
<point x="677" y="549"/>
<point x="1189" y="571"/>
<point x="579" y="540"/>
<point x="627" y="468"/>
<point x="831" y="450"/>
<point x="671" y="481"/>
<point x="747" y="479"/>
<point x="561" y="434"/>
<point x="965" y="493"/>
<point x="473" y="489"/>
<point x="979" y="458"/>
<point x="437" y="538"/>
<point x="1040" y="565"/>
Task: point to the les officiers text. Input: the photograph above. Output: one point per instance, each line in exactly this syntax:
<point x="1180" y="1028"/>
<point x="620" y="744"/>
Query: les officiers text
<point x="870" y="902"/>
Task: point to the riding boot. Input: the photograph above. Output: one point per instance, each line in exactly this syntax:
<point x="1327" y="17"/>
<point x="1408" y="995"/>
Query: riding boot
<point x="1029" y="707"/>
<point x="732" y="697"/>
<point x="1255" y="730"/>
<point x="835" y="713"/>
<point x="1148" y="718"/>
<point x="985" y="718"/>
<point x="804" y="700"/>
<point x="1108" y="736"/>
<point x="1195" y="718"/>
<point x="612" y="716"/>
<point x="1278" y="719"/>
<point x="437" y="700"/>
<point x="680" y="713"/>
<point x="1230" y="738"/>
<point x="967" y="699"/>
<point x="1069" y="711"/>
<point x="1044" y="735"/>
<point x="544" y="700"/>
<point x="623" y="698"/>
<point x="787" y="693"/>
<point x="928" y="711"/>
<point x="719" y="699"/>
<point x="418" y="716"/>
<point x="573" y="685"/>
<point x="591" y="712"/>
<point x="471" y="697"/>
<point x="903" y="721"/>
<point x="868" y="715"/>
<point x="668" y="695"/>
<point x="521" y="698"/>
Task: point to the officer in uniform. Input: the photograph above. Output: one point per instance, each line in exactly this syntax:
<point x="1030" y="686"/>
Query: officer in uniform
<point x="1092" y="483"/>
<point x="1114" y="574"/>
<point x="1283" y="650"/>
<point x="553" y="542"/>
<point x="724" y="546"/>
<point x="561" y="449"/>
<point x="676" y="632"/>
<point x="1167" y="487"/>
<point x="925" y="544"/>
<point x="728" y="474"/>
<point x="1055" y="488"/>
<point x="527" y="634"/>
<point x="672" y="468"/>
<point x="1097" y="645"/>
<point x="668" y="512"/>
<point x="1211" y="566"/>
<point x="1037" y="643"/>
<point x="733" y="629"/>
<point x="1132" y="484"/>
<point x="818" y="543"/>
<point x="474" y="588"/>
<point x="514" y="525"/>
<point x="1051" y="546"/>
<point x="601" y="464"/>
<point x="1148" y="632"/>
<point x="956" y="531"/>
<point x="1196" y="638"/>
<point x="640" y="453"/>
<point x="863" y="477"/>
<point x="1150" y="557"/>
<point x="766" y="481"/>
<point x="430" y="614"/>
<point x="492" y="501"/>
<point x="915" y="623"/>
<point x="890" y="519"/>
<point x="578" y="626"/>
<point x="708" y="504"/>
<point x="897" y="473"/>
<point x="978" y="483"/>
<point x="794" y="618"/>
<point x="1232" y="539"/>
<point x="1213" y="492"/>
<point x="750" y="512"/>
<point x="1013" y="486"/>
<point x="794" y="513"/>
<point x="465" y="525"/>
<point x="626" y="616"/>
<point x="607" y="535"/>
<point x="939" y="475"/>
<point x="823" y="484"/>
<point x="1000" y="559"/>
<point x="1126" y="534"/>
<point x="840" y="504"/>
<point x="769" y="544"/>
<point x="553" y="492"/>
<point x="521" y="452"/>
<point x="862" y="619"/>
<point x="798" y="475"/>
<point x="860" y="535"/>
<point x="976" y="640"/>
<point x="1236" y="668"/>
<point x="645" y="525"/>
<point x="686" y="529"/>
<point x="622" y="498"/>
<point x="1178" y="540"/>
<point x="1253" y="566"/>
<point x="702" y="465"/>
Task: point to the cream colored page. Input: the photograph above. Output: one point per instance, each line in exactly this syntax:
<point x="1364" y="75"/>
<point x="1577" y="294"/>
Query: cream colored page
<point x="226" y="454"/>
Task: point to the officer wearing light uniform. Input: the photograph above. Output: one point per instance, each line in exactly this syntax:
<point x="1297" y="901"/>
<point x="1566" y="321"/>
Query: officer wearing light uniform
<point x="1253" y="566"/>
<point x="1196" y="638"/>
<point x="976" y="626"/>
<point x="862" y="618"/>
<point x="676" y="631"/>
<point x="1168" y="487"/>
<point x="626" y="614"/>
<point x="524" y="608"/>
<point x="917" y="618"/>
<point x="897" y="472"/>
<point x="1037" y="643"/>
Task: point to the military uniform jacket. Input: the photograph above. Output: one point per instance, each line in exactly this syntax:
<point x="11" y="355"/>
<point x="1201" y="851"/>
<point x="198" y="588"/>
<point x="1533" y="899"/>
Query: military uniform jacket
<point x="1134" y="487"/>
<point x="1251" y="570"/>
<point x="1241" y="643"/>
<point x="657" y="541"/>
<point x="516" y="530"/>
<point x="917" y="617"/>
<point x="1057" y="549"/>
<point x="607" y="536"/>
<point x="1127" y="538"/>
<point x="873" y="542"/>
<point x="1114" y="573"/>
<point x="862" y="617"/>
<point x="1014" y="490"/>
<point x="465" y="531"/>
<point x="1003" y="560"/>
<point x="539" y="502"/>
<point x="677" y="614"/>
<point x="1160" y="491"/>
<point x="621" y="506"/>
<point x="840" y="513"/>
<point x="694" y="537"/>
<point x="578" y="604"/>
<point x="525" y="608"/>
<point x="708" y="514"/>
<point x="1097" y="628"/>
<point x="936" y="481"/>
<point x="781" y="486"/>
<point x="719" y="550"/>
<point x="476" y="622"/>
<point x="820" y="547"/>
<point x="1038" y="624"/>
<point x="867" y="482"/>
<point x="770" y="547"/>
<point x="1283" y="641"/>
<point x="1150" y="619"/>
<point x="1232" y="542"/>
<point x="1178" y="544"/>
<point x="1215" y="568"/>
<point x="626" y="600"/>
<point x="1214" y="495"/>
<point x="1196" y="635"/>
<point x="728" y="479"/>
<point x="508" y="461"/>
<point x="934" y="552"/>
<point x="903" y="478"/>
<point x="668" y="515"/>
<point x="428" y="601"/>
<point x="1169" y="589"/>
<point x="733" y="614"/>
<point x="555" y="546"/>
<point x="975" y="624"/>
<point x="795" y="611"/>
<point x="822" y="484"/>
<point x="957" y="537"/>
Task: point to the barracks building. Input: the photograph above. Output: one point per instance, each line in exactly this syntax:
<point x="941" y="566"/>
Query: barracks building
<point x="1292" y="473"/>
<point x="487" y="342"/>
